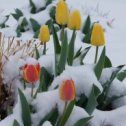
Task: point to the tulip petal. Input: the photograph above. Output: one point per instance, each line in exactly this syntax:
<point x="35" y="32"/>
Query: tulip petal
<point x="67" y="90"/>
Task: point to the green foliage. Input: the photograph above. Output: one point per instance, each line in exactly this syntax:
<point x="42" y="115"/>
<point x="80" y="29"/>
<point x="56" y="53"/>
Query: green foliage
<point x="26" y="116"/>
<point x="82" y="121"/>
<point x="63" y="119"/>
<point x="87" y="29"/>
<point x="71" y="49"/>
<point x="35" y="25"/>
<point x="100" y="65"/>
<point x="34" y="8"/>
<point x="45" y="79"/>
<point x="83" y="54"/>
<point x="16" y="123"/>
<point x="87" y="37"/>
<point x="107" y="62"/>
<point x="51" y="116"/>
<point x="32" y="5"/>
<point x="18" y="13"/>
<point x="52" y="13"/>
<point x="92" y="100"/>
<point x="3" y="24"/>
<point x="122" y="75"/>
<point x="78" y="53"/>
<point x="82" y="102"/>
<point x="22" y="27"/>
<point x="49" y="2"/>
<point x="36" y="34"/>
<point x="103" y="99"/>
<point x="87" y="25"/>
<point x="57" y="48"/>
<point x="63" y="54"/>
<point x="37" y="53"/>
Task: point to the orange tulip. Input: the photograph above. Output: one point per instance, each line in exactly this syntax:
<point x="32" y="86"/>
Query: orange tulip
<point x="31" y="72"/>
<point x="67" y="90"/>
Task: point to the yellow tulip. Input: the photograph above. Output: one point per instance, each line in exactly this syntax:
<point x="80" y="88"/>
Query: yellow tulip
<point x="62" y="13"/>
<point x="74" y="22"/>
<point x="44" y="34"/>
<point x="97" y="36"/>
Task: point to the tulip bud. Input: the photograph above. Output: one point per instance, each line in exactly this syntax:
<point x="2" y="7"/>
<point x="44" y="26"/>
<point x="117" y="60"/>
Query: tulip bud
<point x="74" y="22"/>
<point x="31" y="72"/>
<point x="62" y="13"/>
<point x="44" y="34"/>
<point x="97" y="36"/>
<point x="67" y="90"/>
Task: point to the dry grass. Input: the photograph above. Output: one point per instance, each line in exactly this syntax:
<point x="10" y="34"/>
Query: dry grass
<point x="10" y="47"/>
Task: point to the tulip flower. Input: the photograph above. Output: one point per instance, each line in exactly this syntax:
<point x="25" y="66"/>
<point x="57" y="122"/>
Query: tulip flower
<point x="44" y="36"/>
<point x="61" y="16"/>
<point x="31" y="74"/>
<point x="67" y="90"/>
<point x="97" y="37"/>
<point x="74" y="22"/>
<point x="62" y="13"/>
<point x="67" y="93"/>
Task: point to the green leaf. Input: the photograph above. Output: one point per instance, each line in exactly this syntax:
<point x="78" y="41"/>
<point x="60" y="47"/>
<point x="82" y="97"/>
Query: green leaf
<point x="122" y="75"/>
<point x="49" y="2"/>
<point x="87" y="25"/>
<point x="82" y="101"/>
<point x="82" y="121"/>
<point x="33" y="8"/>
<point x="103" y="98"/>
<point x="47" y="79"/>
<point x="83" y="54"/>
<point x="107" y="62"/>
<point x="36" y="34"/>
<point x="51" y="116"/>
<point x="68" y="112"/>
<point x="18" y="13"/>
<point x="100" y="65"/>
<point x="78" y="53"/>
<point x="26" y="116"/>
<point x="57" y="46"/>
<point x="35" y="25"/>
<point x="71" y="48"/>
<point x="63" y="119"/>
<point x="92" y="100"/>
<point x="22" y="26"/>
<point x="2" y="24"/>
<point x="37" y="53"/>
<point x="16" y="123"/>
<point x="52" y="12"/>
<point x="86" y="38"/>
<point x="49" y="23"/>
<point x="63" y="55"/>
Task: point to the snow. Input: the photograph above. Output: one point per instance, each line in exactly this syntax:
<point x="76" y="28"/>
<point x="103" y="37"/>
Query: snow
<point x="47" y="123"/>
<point x="83" y="76"/>
<point x="115" y="117"/>
<point x="105" y="11"/>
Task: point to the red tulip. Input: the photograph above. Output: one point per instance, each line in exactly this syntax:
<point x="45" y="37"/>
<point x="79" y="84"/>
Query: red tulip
<point x="31" y="72"/>
<point x="67" y="90"/>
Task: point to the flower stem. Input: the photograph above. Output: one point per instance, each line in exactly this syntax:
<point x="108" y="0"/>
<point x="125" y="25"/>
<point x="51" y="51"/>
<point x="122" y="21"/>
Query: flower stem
<point x="63" y="115"/>
<point x="32" y="90"/>
<point x="35" y="95"/>
<point x="24" y="84"/>
<point x="62" y="33"/>
<point x="44" y="50"/>
<point x="96" y="54"/>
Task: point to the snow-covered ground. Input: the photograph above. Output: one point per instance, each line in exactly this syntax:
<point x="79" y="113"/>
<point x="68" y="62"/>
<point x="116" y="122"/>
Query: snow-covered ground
<point x="115" y="36"/>
<point x="112" y="11"/>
